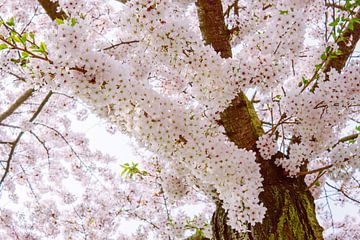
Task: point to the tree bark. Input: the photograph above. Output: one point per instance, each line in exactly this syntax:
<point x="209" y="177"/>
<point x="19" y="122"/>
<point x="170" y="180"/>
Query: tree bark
<point x="52" y="9"/>
<point x="290" y="207"/>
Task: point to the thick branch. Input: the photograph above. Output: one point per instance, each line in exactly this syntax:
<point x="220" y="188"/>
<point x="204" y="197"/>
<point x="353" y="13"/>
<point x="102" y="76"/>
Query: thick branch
<point x="25" y="96"/>
<point x="51" y="8"/>
<point x="212" y="26"/>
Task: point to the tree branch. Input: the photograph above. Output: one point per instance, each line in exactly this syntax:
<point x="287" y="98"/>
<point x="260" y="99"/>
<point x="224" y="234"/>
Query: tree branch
<point x="212" y="26"/>
<point x="347" y="138"/>
<point x="51" y="8"/>
<point x="343" y="192"/>
<point x="351" y="37"/>
<point x="340" y="7"/>
<point x="14" y="143"/>
<point x="25" y="96"/>
<point x="120" y="43"/>
<point x="341" y="140"/>
<point x="10" y="156"/>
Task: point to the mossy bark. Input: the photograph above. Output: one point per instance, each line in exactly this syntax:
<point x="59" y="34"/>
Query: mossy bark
<point x="290" y="207"/>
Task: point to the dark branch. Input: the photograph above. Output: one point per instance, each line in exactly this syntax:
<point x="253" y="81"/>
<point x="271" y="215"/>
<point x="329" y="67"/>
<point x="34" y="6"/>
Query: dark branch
<point x="351" y="37"/>
<point x="343" y="192"/>
<point x="212" y="26"/>
<point x="14" y="143"/>
<point x="120" y="43"/>
<point x="10" y="156"/>
<point x="51" y="8"/>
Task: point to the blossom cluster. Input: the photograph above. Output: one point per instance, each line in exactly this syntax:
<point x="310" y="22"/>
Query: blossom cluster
<point x="145" y="70"/>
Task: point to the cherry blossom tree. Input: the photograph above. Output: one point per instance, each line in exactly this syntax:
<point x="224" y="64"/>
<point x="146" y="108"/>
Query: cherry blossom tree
<point x="249" y="109"/>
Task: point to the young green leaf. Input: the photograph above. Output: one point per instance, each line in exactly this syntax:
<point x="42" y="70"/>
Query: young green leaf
<point x="11" y="22"/>
<point x="73" y="21"/>
<point x="59" y="21"/>
<point x="24" y="55"/>
<point x="3" y="46"/>
<point x="24" y="38"/>
<point x="32" y="36"/>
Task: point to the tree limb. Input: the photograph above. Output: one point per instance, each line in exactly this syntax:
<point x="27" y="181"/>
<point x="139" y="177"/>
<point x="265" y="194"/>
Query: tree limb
<point x="25" y="96"/>
<point x="10" y="156"/>
<point x="51" y="8"/>
<point x="14" y="143"/>
<point x="351" y="37"/>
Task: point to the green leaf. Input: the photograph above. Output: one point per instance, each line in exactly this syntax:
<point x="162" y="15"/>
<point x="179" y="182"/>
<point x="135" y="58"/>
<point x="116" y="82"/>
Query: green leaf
<point x="323" y="56"/>
<point x="42" y="46"/>
<point x="32" y="36"/>
<point x="24" y="55"/>
<point x="3" y="46"/>
<point x="357" y="128"/>
<point x="318" y="67"/>
<point x="23" y="63"/>
<point x="132" y="169"/>
<point x="59" y="21"/>
<point x="338" y="52"/>
<point x="11" y="22"/>
<point x="305" y="81"/>
<point x="14" y="37"/>
<point x="123" y="172"/>
<point x="335" y="22"/>
<point x="351" y="25"/>
<point x="277" y="98"/>
<point x="73" y="21"/>
<point x="41" y="49"/>
<point x="284" y="12"/>
<point x="24" y="38"/>
<point x="34" y="47"/>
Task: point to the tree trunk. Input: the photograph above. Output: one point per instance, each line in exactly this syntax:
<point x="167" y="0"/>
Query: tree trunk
<point x="290" y="207"/>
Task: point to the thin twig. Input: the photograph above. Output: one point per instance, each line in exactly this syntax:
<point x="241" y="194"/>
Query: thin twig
<point x="331" y="215"/>
<point x="14" y="144"/>
<point x="343" y="192"/>
<point x="47" y="150"/>
<point x="120" y="43"/>
<point x="320" y="174"/>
